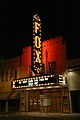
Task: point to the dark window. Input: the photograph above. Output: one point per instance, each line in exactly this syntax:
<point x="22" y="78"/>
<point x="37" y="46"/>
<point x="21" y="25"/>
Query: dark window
<point x="7" y="75"/>
<point x="2" y="75"/>
<point x="16" y="74"/>
<point x="10" y="74"/>
<point x="52" y="67"/>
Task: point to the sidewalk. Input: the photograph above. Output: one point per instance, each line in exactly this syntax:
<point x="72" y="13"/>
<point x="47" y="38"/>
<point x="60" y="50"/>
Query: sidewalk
<point x="39" y="114"/>
<point x="48" y="114"/>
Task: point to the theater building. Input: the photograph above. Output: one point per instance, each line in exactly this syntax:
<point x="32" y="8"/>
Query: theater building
<point x="40" y="79"/>
<point x="23" y="90"/>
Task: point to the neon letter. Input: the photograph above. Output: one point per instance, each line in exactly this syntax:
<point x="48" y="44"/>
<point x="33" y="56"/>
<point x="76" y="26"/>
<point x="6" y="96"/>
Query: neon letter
<point x="37" y="25"/>
<point x="38" y="59"/>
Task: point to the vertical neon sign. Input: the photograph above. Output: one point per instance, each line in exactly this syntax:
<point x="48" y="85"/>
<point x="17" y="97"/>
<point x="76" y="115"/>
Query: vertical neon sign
<point x="37" y="45"/>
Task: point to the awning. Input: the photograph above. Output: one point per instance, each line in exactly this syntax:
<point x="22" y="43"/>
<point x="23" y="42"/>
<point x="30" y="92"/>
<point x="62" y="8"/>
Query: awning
<point x="4" y="95"/>
<point x="9" y="95"/>
<point x="14" y="95"/>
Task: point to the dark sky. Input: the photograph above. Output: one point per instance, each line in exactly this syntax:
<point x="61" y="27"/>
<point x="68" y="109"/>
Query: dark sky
<point x="59" y="18"/>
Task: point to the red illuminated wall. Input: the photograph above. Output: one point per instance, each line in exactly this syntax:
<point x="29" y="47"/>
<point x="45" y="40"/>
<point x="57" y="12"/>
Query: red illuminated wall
<point x="26" y="56"/>
<point x="55" y="50"/>
<point x="52" y="50"/>
<point x="26" y="61"/>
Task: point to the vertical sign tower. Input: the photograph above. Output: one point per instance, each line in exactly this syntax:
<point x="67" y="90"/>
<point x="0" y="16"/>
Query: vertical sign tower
<point x="37" y="45"/>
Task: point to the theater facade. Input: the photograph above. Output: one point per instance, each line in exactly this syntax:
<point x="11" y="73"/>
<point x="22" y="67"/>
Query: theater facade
<point x="22" y="89"/>
<point x="36" y="80"/>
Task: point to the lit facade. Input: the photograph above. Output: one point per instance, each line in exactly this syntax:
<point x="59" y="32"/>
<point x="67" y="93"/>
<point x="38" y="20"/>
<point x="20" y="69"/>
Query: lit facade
<point x="23" y="90"/>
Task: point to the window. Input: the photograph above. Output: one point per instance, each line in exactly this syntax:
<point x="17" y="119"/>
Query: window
<point x="7" y="75"/>
<point x="52" y="67"/>
<point x="2" y="75"/>
<point x="16" y="74"/>
<point x="10" y="74"/>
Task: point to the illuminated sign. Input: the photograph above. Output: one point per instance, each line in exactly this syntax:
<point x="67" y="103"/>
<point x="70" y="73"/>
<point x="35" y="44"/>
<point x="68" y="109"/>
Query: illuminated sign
<point x="37" y="81"/>
<point x="33" y="81"/>
<point x="37" y="45"/>
<point x="30" y="82"/>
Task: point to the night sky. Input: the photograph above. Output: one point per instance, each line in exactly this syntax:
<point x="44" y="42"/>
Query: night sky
<point x="58" y="17"/>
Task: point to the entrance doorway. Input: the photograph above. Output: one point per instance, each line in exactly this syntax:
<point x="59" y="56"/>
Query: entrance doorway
<point x="34" y="101"/>
<point x="75" y="100"/>
<point x="56" y="104"/>
<point x="34" y="104"/>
